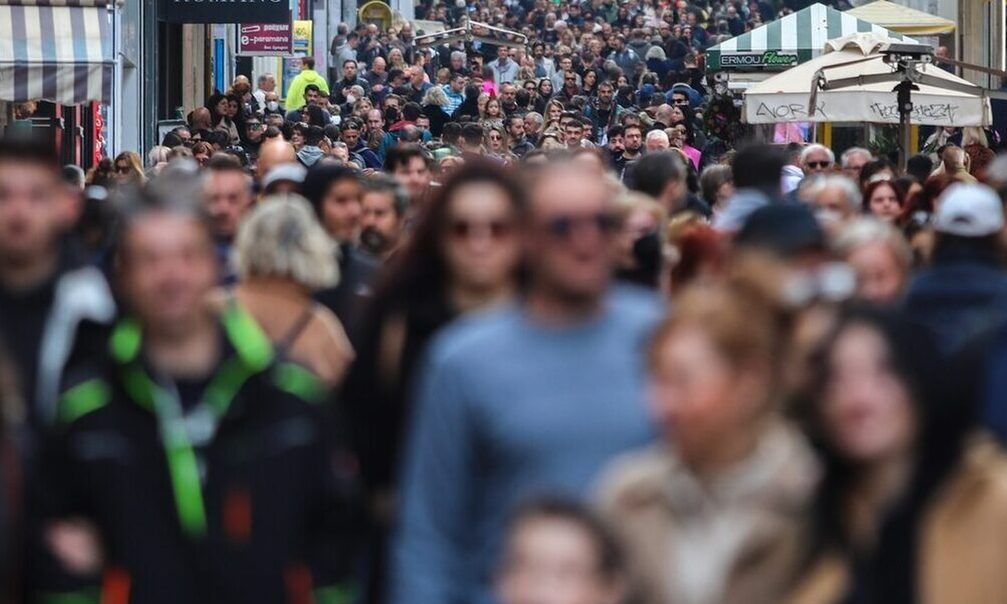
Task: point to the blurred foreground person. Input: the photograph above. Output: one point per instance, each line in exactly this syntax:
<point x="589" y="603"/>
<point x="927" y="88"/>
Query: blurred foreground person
<point x="533" y="398"/>
<point x="462" y="257"/>
<point x="963" y="293"/>
<point x="880" y="257"/>
<point x="282" y="256"/>
<point x="46" y="293"/>
<point x="714" y="514"/>
<point x="199" y="459"/>
<point x="558" y="552"/>
<point x="913" y="506"/>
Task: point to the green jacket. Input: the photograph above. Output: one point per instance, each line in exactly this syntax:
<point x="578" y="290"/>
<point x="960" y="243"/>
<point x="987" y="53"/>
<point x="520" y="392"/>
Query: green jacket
<point x="295" y="94"/>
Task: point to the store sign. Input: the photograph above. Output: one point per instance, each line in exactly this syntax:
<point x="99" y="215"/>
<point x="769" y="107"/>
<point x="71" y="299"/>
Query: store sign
<point x="770" y="59"/>
<point x="224" y="11"/>
<point x="267" y="39"/>
<point x="302" y="37"/>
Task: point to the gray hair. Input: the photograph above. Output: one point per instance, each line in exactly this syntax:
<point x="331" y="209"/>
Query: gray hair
<point x="158" y="154"/>
<point x="816" y="147"/>
<point x="658" y="134"/>
<point x="458" y="55"/>
<point x="282" y="238"/>
<point x="435" y="96"/>
<point x="535" y="116"/>
<point x="265" y="78"/>
<point x="849" y="153"/>
<point x="866" y="230"/>
<point x="383" y="183"/>
<point x="847" y="187"/>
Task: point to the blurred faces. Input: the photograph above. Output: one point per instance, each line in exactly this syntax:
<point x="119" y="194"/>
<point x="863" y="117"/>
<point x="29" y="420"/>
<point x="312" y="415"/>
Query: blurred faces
<point x="701" y="399"/>
<point x="481" y="247"/>
<point x="414" y="176"/>
<point x="867" y="410"/>
<point x="554" y="561"/>
<point x="350" y="70"/>
<point x="884" y="203"/>
<point x="817" y="161"/>
<point x="633" y="139"/>
<point x="168" y="266"/>
<point x="33" y="207"/>
<point x="228" y="195"/>
<point x="341" y="210"/>
<point x="880" y="276"/>
<point x="853" y="164"/>
<point x="571" y="236"/>
<point x="374" y="120"/>
<point x="381" y="227"/>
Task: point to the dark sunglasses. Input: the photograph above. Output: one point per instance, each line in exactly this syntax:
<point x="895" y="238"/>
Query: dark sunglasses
<point x="819" y="164"/>
<point x="497" y="229"/>
<point x="563" y="227"/>
<point x="122" y="169"/>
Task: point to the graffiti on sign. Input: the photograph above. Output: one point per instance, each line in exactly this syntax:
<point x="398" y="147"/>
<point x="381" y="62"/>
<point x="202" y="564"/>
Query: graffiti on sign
<point x="943" y="112"/>
<point x="787" y="111"/>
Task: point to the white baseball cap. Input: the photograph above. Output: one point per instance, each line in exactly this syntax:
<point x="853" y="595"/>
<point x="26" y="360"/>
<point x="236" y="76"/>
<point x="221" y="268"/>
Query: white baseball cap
<point x="969" y="210"/>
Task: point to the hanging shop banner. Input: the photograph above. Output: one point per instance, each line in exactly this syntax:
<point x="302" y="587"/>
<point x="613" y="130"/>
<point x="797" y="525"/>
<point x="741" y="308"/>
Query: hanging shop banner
<point x="264" y="39"/>
<point x="224" y="11"/>
<point x="302" y="37"/>
<point x="769" y="60"/>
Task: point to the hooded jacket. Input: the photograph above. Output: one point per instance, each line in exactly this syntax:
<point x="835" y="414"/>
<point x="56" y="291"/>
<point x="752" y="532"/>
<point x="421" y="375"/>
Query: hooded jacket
<point x="254" y="502"/>
<point x="295" y="94"/>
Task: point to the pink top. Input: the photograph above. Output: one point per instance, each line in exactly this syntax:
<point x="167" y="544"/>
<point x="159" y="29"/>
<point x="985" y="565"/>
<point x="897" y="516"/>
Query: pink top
<point x="693" y="154"/>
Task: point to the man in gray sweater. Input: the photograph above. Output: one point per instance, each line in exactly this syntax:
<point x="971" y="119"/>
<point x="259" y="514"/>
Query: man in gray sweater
<point x="531" y="399"/>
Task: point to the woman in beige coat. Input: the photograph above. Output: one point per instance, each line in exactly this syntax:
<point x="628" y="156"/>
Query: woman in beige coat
<point x="913" y="505"/>
<point x="714" y="514"/>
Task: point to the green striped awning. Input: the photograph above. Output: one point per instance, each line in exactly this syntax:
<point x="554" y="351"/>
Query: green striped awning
<point x="788" y="41"/>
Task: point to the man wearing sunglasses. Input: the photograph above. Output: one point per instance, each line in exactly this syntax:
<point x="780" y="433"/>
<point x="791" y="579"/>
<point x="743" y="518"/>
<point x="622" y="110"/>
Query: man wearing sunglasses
<point x="816" y="159"/>
<point x="534" y="397"/>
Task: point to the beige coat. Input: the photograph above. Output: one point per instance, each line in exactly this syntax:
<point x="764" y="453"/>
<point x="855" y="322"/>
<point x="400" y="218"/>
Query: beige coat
<point x="733" y="539"/>
<point x="963" y="549"/>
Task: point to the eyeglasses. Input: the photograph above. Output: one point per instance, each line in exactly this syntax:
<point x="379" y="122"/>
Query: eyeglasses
<point x="819" y="164"/>
<point x="122" y="169"/>
<point x="496" y="229"/>
<point x="494" y="137"/>
<point x="564" y="227"/>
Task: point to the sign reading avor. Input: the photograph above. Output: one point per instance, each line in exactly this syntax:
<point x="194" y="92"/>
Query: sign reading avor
<point x="770" y="59"/>
<point x="224" y="11"/>
<point x="264" y="39"/>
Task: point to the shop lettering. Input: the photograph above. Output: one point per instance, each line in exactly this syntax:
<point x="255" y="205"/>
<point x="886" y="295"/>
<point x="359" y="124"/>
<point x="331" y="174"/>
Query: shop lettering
<point x="770" y="58"/>
<point x="789" y="111"/>
<point x="945" y="112"/>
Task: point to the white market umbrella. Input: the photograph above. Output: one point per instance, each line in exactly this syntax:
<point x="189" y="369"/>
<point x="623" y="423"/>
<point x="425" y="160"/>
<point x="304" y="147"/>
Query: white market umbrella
<point x="785" y="97"/>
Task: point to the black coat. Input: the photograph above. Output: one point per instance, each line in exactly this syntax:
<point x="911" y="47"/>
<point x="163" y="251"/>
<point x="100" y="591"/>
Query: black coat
<point x="277" y="495"/>
<point x="348" y="300"/>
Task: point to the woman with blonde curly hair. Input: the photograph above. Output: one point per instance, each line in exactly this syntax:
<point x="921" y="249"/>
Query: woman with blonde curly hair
<point x="282" y="256"/>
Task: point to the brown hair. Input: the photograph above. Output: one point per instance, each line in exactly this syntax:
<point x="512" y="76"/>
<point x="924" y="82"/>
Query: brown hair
<point x="742" y="314"/>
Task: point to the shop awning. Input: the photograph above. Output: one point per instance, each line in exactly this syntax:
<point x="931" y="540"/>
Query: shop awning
<point x="56" y="50"/>
<point x="902" y="19"/>
<point x="786" y="97"/>
<point x="789" y="41"/>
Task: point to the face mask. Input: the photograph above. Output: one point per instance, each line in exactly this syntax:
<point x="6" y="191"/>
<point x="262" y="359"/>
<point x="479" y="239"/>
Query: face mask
<point x="272" y="105"/>
<point x="351" y="99"/>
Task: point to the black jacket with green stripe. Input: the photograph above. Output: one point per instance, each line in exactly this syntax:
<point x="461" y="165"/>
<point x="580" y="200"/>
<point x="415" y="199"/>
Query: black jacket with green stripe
<point x="268" y="511"/>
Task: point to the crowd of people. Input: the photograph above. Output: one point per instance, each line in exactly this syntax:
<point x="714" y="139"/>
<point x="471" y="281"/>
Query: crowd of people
<point x="476" y="324"/>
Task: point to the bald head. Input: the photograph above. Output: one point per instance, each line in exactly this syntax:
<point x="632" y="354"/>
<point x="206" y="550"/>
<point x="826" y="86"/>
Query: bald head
<point x="201" y="119"/>
<point x="275" y="152"/>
